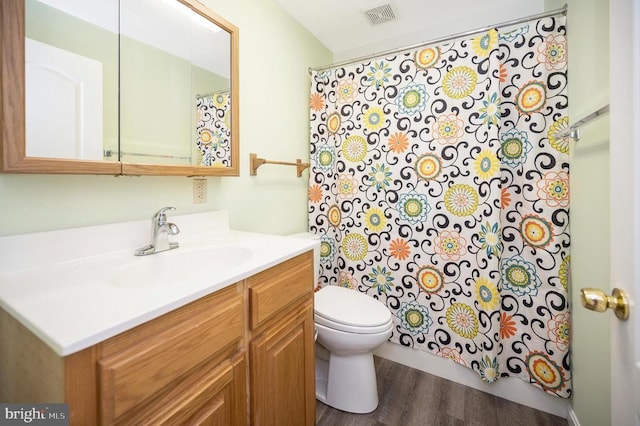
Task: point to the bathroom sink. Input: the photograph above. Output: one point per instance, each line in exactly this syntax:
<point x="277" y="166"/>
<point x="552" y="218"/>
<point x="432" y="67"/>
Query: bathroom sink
<point x="178" y="266"/>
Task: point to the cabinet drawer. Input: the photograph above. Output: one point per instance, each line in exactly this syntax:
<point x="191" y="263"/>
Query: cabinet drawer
<point x="213" y="396"/>
<point x="276" y="288"/>
<point x="141" y="364"/>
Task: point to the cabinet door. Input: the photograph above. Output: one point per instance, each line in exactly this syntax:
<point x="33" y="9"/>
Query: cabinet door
<point x="282" y="371"/>
<point x="140" y="371"/>
<point x="214" y="398"/>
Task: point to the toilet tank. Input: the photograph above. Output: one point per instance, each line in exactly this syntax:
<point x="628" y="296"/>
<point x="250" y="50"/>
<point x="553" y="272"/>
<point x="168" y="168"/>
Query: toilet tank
<point x="316" y="253"/>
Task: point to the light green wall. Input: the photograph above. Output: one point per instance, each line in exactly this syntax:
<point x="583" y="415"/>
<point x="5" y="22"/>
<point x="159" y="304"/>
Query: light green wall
<point x="588" y="38"/>
<point x="275" y="52"/>
<point x="157" y="102"/>
<point x="274" y="108"/>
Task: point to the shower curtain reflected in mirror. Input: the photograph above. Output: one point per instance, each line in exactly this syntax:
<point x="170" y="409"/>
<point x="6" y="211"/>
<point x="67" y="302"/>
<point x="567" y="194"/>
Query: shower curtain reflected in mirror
<point x="439" y="187"/>
<point x="213" y="128"/>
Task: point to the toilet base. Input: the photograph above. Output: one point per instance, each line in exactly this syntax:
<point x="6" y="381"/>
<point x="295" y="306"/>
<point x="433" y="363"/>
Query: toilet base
<point x="322" y="376"/>
<point x="347" y="383"/>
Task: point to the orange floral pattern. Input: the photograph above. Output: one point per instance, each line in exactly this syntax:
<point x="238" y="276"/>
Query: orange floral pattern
<point x="399" y="249"/>
<point x="507" y="326"/>
<point x="316" y="102"/>
<point x="398" y="142"/>
<point x="315" y="193"/>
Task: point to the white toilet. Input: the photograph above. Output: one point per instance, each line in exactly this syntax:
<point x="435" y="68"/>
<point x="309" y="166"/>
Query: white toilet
<point x="350" y="326"/>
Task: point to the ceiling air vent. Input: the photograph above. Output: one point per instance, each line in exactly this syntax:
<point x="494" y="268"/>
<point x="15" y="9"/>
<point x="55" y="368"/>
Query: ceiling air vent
<point x="380" y="14"/>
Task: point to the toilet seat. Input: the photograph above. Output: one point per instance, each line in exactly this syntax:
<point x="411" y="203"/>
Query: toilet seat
<point x="351" y="329"/>
<point x="348" y="310"/>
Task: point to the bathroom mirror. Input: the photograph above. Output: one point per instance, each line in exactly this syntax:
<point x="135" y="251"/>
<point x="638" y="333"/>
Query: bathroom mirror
<point x="134" y="87"/>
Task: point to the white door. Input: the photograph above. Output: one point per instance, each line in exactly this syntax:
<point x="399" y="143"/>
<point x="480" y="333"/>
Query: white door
<point x="625" y="204"/>
<point x="63" y="103"/>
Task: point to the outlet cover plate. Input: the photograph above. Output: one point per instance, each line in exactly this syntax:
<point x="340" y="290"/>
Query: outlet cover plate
<point x="199" y="191"/>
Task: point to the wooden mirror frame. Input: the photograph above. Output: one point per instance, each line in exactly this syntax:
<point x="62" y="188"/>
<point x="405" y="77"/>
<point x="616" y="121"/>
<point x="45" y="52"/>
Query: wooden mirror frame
<point x="13" y="157"/>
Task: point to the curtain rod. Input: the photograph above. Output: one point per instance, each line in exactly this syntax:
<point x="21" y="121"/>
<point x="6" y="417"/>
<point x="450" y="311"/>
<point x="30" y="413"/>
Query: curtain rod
<point x="206" y="95"/>
<point x="562" y="10"/>
<point x="574" y="130"/>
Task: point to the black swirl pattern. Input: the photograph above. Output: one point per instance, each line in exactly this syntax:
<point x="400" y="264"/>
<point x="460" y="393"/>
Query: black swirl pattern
<point x="213" y="127"/>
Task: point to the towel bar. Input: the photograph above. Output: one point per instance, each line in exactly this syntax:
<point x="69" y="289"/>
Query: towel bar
<point x="257" y="162"/>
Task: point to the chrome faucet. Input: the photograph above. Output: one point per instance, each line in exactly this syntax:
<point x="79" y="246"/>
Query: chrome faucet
<point x="160" y="231"/>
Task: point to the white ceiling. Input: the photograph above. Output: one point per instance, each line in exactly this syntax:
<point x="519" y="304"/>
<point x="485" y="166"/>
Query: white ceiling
<point x="166" y="25"/>
<point x="343" y="28"/>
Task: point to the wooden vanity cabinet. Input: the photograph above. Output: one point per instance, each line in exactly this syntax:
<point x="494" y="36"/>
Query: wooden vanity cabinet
<point x="186" y="366"/>
<point x="281" y="348"/>
<point x="244" y="354"/>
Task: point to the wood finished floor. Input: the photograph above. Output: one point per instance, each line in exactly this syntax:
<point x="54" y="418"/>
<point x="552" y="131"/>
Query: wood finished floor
<point x="413" y="397"/>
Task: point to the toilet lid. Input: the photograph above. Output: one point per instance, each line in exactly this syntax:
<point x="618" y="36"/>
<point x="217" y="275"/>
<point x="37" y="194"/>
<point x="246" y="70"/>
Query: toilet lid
<point x="350" y="307"/>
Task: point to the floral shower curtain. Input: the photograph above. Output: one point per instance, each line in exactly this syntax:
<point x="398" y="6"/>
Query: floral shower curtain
<point x="439" y="187"/>
<point x="213" y="130"/>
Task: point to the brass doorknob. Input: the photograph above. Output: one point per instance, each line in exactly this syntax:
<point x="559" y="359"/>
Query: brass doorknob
<point x="597" y="300"/>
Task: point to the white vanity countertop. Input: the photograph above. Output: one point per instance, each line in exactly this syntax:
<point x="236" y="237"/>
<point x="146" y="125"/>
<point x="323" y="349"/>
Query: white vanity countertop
<point x="75" y="288"/>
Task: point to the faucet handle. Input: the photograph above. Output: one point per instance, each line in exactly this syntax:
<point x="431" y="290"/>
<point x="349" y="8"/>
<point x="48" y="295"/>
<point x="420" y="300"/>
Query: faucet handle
<point x="161" y="216"/>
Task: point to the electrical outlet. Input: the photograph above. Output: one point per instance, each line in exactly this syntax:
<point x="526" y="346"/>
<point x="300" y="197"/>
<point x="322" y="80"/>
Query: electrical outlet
<point x="199" y="191"/>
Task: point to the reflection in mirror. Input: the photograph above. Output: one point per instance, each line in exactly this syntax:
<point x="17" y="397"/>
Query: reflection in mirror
<point x="71" y="74"/>
<point x="61" y="78"/>
<point x="174" y="86"/>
